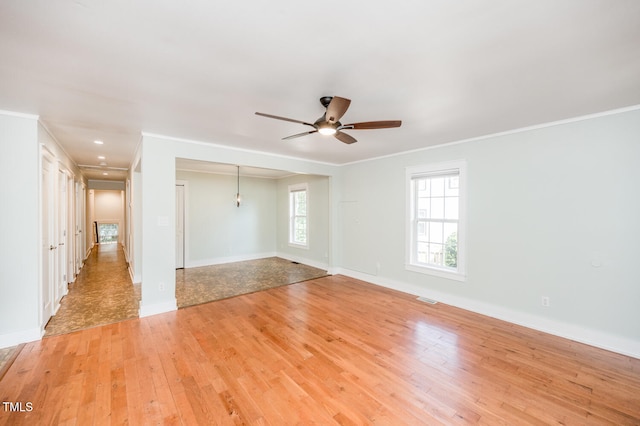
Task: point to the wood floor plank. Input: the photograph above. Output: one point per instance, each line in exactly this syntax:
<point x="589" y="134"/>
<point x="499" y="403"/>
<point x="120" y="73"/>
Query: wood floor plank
<point x="328" y="351"/>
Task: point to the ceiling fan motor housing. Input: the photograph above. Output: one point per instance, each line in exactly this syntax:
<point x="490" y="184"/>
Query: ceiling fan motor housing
<point x="326" y="100"/>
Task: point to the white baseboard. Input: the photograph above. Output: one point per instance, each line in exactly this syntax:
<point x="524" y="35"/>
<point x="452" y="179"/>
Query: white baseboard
<point x="8" y="340"/>
<point x="231" y="259"/>
<point x="157" y="308"/>
<point x="227" y="259"/>
<point x="304" y="261"/>
<point x="599" y="339"/>
<point x="135" y="279"/>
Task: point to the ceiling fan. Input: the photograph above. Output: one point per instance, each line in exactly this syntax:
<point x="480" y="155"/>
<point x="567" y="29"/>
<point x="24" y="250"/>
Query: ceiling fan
<point x="329" y="123"/>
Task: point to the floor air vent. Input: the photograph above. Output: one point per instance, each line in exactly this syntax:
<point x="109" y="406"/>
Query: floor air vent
<point x="429" y="301"/>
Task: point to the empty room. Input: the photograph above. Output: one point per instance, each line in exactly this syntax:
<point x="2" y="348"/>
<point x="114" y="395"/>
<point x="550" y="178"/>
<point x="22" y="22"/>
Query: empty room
<point x="347" y="213"/>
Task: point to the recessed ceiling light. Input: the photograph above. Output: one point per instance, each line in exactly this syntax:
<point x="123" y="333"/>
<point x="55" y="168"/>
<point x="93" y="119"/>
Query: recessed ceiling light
<point x="101" y="157"/>
<point x="98" y="142"/>
<point x="105" y="174"/>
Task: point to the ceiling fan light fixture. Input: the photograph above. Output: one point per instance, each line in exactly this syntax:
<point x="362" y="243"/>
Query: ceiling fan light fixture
<point x="327" y="130"/>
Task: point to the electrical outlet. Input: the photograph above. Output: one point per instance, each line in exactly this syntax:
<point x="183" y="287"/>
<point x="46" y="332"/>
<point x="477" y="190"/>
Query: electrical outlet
<point x="161" y="286"/>
<point x="545" y="301"/>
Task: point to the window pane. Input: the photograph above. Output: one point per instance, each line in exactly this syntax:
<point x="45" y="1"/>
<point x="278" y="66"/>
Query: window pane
<point x="422" y="252"/>
<point x="422" y="231"/>
<point x="451" y="245"/>
<point x="452" y="186"/>
<point x="298" y="216"/>
<point x="423" y="208"/>
<point x="435" y="254"/>
<point x="437" y="186"/>
<point x="423" y="187"/>
<point x="300" y="203"/>
<point x="300" y="230"/>
<point x="451" y="208"/>
<point x="435" y="233"/>
<point x="437" y="208"/>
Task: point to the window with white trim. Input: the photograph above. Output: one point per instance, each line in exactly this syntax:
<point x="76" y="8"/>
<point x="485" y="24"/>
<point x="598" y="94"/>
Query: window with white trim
<point x="298" y="219"/>
<point x="435" y="219"/>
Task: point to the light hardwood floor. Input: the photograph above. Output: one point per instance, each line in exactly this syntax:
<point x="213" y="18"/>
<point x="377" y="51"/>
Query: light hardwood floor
<point x="327" y="351"/>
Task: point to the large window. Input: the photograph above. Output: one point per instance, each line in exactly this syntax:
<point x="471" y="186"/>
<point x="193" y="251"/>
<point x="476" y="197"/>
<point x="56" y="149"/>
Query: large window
<point x="435" y="224"/>
<point x="298" y="220"/>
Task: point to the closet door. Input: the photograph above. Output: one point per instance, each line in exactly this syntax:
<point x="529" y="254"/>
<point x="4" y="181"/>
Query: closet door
<point x="61" y="239"/>
<point x="49" y="244"/>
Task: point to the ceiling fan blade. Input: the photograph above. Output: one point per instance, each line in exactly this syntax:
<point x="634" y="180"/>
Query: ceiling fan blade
<point x="299" y="134"/>
<point x="343" y="137"/>
<point x="284" y="118"/>
<point x="336" y="109"/>
<point x="366" y="125"/>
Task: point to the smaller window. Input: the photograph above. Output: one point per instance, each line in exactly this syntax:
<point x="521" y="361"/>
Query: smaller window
<point x="298" y="219"/>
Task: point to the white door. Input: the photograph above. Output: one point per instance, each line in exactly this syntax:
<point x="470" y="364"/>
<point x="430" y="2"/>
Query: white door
<point x="70" y="240"/>
<point x="80" y="242"/>
<point x="179" y="226"/>
<point x="49" y="245"/>
<point x="61" y="233"/>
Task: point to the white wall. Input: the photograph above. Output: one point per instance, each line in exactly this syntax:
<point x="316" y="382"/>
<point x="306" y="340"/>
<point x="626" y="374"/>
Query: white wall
<point x="317" y="254"/>
<point x="158" y="176"/>
<point x="20" y="229"/>
<point x="134" y="245"/>
<point x="218" y="230"/>
<point x="108" y="207"/>
<point x="22" y="139"/>
<point x="552" y="211"/>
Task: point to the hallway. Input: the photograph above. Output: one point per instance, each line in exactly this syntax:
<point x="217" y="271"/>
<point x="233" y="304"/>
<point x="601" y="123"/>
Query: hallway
<point x="102" y="293"/>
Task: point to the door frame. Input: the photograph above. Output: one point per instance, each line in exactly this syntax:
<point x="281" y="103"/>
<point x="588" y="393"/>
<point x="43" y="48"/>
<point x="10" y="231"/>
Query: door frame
<point x="61" y="232"/>
<point x="185" y="223"/>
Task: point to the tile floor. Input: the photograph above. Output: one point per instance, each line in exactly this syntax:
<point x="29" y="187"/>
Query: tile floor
<point x="201" y="285"/>
<point x="103" y="292"/>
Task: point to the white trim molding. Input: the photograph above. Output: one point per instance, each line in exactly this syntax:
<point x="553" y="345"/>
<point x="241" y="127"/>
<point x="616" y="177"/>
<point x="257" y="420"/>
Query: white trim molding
<point x="227" y="259"/>
<point x="8" y="340"/>
<point x="157" y="308"/>
<point x="599" y="339"/>
<point x="303" y="260"/>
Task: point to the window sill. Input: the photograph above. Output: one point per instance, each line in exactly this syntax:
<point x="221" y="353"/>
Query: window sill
<point x="442" y="273"/>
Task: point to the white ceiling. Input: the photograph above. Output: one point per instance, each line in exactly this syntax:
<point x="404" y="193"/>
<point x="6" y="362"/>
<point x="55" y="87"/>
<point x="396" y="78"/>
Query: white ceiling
<point x="451" y="70"/>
